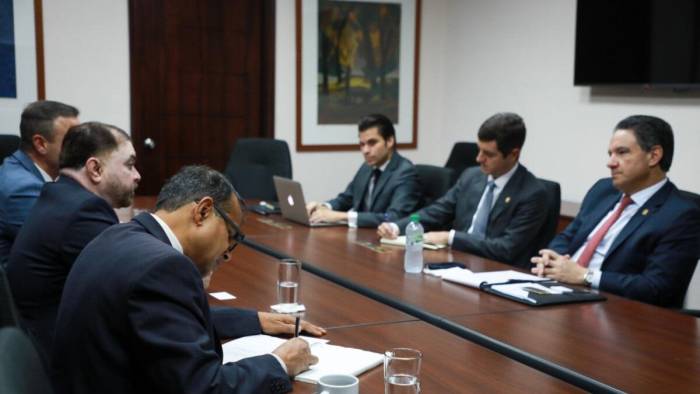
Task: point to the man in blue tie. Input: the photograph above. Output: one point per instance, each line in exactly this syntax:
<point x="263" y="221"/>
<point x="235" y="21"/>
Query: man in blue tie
<point x="635" y="234"/>
<point x="495" y="210"/>
<point x="22" y="175"/>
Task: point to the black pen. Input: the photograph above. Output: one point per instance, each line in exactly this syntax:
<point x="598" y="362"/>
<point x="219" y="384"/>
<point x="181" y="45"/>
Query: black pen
<point x="296" y="326"/>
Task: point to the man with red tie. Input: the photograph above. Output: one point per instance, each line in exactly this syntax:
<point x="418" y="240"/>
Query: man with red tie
<point x="635" y="235"/>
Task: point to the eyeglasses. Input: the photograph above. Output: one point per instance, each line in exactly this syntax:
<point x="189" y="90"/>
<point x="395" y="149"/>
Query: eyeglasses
<point x="234" y="231"/>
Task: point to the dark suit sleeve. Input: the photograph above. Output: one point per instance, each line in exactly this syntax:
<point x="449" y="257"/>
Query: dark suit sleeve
<point x="521" y="230"/>
<point x="167" y="309"/>
<point x="672" y="262"/>
<point x="343" y="201"/>
<point x="93" y="217"/>
<point x="231" y="323"/>
<point x="404" y="199"/>
<point x="439" y="214"/>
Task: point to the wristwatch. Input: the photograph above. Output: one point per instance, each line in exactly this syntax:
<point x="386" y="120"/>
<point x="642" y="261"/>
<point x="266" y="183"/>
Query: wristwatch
<point x="588" y="278"/>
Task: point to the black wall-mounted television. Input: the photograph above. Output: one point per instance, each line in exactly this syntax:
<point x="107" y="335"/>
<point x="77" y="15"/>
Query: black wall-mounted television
<point x="638" y="42"/>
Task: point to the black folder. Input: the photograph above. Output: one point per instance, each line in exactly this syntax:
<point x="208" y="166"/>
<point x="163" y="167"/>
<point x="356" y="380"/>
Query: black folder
<point x="537" y="299"/>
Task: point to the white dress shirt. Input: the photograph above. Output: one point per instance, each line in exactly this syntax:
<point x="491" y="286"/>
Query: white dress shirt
<point x="352" y="214"/>
<point x="178" y="246"/>
<point x="46" y="176"/>
<point x="638" y="200"/>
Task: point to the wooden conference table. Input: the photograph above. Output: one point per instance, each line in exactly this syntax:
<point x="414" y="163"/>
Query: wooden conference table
<point x="450" y="364"/>
<point x="618" y="344"/>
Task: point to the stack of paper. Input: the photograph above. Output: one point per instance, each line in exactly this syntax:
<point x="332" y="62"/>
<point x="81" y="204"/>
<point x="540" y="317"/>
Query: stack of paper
<point x="472" y="279"/>
<point x="331" y="359"/>
<point x="401" y="241"/>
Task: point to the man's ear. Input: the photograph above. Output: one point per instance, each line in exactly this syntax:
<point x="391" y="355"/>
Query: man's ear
<point x="390" y="142"/>
<point x="202" y="210"/>
<point x="94" y="169"/>
<point x="656" y="153"/>
<point x="40" y="144"/>
<point x="515" y="154"/>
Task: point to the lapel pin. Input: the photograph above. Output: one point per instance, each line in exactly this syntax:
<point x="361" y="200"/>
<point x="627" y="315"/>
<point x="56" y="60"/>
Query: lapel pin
<point x="645" y="211"/>
<point x="507" y="199"/>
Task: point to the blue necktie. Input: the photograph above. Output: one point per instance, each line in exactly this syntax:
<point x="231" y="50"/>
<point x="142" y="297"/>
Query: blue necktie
<point x="482" y="215"/>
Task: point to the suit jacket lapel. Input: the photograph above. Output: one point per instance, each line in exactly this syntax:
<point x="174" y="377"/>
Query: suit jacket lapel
<point x="28" y="164"/>
<point x="360" y="187"/>
<point x="508" y="193"/>
<point x="645" y="211"/>
<point x="384" y="178"/>
<point x="604" y="207"/>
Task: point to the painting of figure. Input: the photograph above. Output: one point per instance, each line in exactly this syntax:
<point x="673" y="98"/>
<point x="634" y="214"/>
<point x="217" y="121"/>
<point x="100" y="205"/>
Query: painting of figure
<point x="358" y="60"/>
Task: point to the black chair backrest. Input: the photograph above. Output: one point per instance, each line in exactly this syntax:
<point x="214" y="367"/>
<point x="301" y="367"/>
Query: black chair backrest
<point x="8" y="311"/>
<point x="463" y="155"/>
<point x="549" y="227"/>
<point x="8" y="144"/>
<point x="435" y="181"/>
<point x="21" y="371"/>
<point x="252" y="164"/>
<point x="691" y="196"/>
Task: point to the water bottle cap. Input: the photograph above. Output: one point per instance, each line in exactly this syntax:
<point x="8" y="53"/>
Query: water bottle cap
<point x="415" y="217"/>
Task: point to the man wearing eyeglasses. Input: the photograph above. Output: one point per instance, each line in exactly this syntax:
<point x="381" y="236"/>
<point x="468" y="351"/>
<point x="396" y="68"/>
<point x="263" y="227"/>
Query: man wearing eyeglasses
<point x="135" y="304"/>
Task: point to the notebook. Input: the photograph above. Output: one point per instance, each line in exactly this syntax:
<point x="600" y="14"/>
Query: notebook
<point x="293" y="205"/>
<point x="332" y="359"/>
<point x="521" y="287"/>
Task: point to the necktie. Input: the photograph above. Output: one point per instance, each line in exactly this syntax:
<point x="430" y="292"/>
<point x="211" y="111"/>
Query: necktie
<point x="598" y="236"/>
<point x="370" y="188"/>
<point x="482" y="215"/>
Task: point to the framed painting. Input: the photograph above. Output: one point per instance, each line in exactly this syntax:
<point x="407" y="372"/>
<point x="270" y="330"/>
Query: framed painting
<point x="355" y="58"/>
<point x="21" y="60"/>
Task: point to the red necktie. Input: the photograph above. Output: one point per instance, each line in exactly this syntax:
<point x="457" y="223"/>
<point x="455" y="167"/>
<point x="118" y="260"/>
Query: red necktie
<point x="593" y="243"/>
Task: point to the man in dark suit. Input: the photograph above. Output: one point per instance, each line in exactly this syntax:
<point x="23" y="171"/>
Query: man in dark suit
<point x="384" y="188"/>
<point x="22" y="174"/>
<point x="134" y="317"/>
<point x="495" y="210"/>
<point x="635" y="235"/>
<point x="97" y="174"/>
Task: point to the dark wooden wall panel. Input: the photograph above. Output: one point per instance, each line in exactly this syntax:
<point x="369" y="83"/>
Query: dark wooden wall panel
<point x="202" y="76"/>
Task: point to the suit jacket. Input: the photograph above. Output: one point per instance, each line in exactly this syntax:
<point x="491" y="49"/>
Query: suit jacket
<point x="64" y="219"/>
<point x="654" y="256"/>
<point x="515" y="220"/>
<point x="395" y="194"/>
<point x="134" y="318"/>
<point x="20" y="185"/>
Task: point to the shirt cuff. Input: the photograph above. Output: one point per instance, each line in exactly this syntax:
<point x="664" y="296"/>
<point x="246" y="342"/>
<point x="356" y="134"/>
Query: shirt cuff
<point x="451" y="237"/>
<point x="327" y="205"/>
<point x="279" y="360"/>
<point x="597" y="275"/>
<point x="395" y="228"/>
<point x="352" y="219"/>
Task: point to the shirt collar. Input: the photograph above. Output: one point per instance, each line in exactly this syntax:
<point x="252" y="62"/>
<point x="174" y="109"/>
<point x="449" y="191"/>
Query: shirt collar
<point x="502" y="180"/>
<point x="44" y="175"/>
<point x="169" y="233"/>
<point x="383" y="166"/>
<point x="641" y="197"/>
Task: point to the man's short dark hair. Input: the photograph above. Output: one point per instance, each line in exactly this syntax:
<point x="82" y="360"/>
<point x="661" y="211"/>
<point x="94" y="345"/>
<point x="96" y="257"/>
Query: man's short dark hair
<point x="650" y="131"/>
<point x="192" y="183"/>
<point x="381" y="122"/>
<point x="88" y="140"/>
<point x="38" y="118"/>
<point x="506" y="128"/>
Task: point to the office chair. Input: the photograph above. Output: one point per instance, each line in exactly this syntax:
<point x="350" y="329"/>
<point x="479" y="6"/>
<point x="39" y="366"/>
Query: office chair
<point x="691" y="304"/>
<point x="8" y="311"/>
<point x="549" y="227"/>
<point x="463" y="155"/>
<point x="21" y="371"/>
<point x="8" y="144"/>
<point x="434" y="182"/>
<point x="252" y="164"/>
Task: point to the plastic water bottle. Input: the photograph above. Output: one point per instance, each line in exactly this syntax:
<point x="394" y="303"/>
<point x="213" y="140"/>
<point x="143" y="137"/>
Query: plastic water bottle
<point x="413" y="259"/>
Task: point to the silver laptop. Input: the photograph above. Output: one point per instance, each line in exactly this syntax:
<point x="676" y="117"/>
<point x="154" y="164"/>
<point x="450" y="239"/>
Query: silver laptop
<point x="293" y="205"/>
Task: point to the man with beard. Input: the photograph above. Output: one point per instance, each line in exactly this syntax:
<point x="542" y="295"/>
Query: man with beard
<point x="97" y="174"/>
